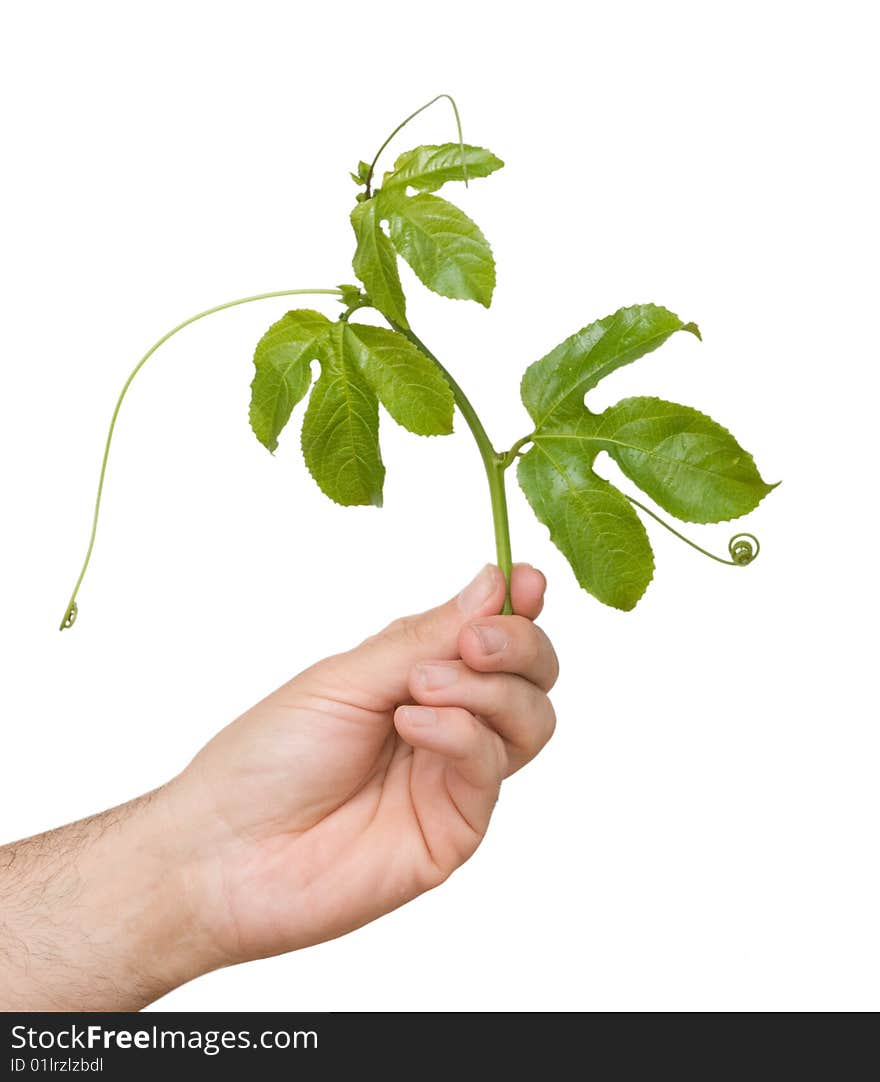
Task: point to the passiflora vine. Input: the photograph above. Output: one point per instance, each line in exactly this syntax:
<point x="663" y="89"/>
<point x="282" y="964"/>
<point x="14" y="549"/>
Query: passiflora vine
<point x="688" y="464"/>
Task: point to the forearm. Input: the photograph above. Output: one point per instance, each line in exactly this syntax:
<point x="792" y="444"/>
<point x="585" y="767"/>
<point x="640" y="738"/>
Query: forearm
<point x="96" y="916"/>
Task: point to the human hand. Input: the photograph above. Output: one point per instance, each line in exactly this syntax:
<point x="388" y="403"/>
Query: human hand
<point x="362" y="782"/>
<point x="368" y="778"/>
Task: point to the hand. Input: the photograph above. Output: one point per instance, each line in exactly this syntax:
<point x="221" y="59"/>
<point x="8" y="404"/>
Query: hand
<point x="368" y="778"/>
<point x="364" y="781"/>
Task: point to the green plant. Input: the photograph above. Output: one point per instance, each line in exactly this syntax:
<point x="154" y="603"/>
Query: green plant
<point x="686" y="462"/>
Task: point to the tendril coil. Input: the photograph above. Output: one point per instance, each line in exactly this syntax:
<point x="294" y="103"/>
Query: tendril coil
<point x="743" y="547"/>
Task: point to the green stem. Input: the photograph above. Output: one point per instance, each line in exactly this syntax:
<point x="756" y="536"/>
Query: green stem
<point x="404" y="123"/>
<point x="498" y="494"/>
<point x="509" y="457"/>
<point x="71" y="610"/>
<point x="493" y="463"/>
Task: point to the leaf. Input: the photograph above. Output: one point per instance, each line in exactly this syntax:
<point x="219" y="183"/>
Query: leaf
<point x="363" y="171"/>
<point x="555" y="386"/>
<point x="375" y="262"/>
<point x="283" y="374"/>
<point x="592" y="524"/>
<point x="685" y="461"/>
<point x="408" y="384"/>
<point x="442" y="245"/>
<point x="340" y="435"/>
<point x="351" y="297"/>
<point x="430" y="167"/>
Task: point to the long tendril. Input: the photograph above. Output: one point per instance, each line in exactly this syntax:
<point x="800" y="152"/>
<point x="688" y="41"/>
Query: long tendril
<point x="70" y="613"/>
<point x="404" y="123"/>
<point x="743" y="547"/>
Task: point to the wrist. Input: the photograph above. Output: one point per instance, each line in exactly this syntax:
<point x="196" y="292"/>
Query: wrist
<point x="106" y="899"/>
<point x="159" y="892"/>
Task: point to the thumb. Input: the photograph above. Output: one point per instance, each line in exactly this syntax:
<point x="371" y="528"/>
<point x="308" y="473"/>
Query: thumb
<point x="376" y="673"/>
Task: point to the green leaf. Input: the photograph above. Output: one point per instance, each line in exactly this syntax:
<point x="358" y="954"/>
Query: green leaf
<point x="554" y="387"/>
<point x="592" y="524"/>
<point x="430" y="167"/>
<point x="408" y="384"/>
<point x="363" y="171"/>
<point x="283" y="375"/>
<point x="352" y="296"/>
<point x="441" y="244"/>
<point x="340" y="435"/>
<point x="375" y="262"/>
<point x="681" y="458"/>
<point x="685" y="461"/>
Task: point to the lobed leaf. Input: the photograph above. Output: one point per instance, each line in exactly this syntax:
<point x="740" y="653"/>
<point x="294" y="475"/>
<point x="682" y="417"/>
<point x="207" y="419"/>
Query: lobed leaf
<point x="685" y="461"/>
<point x="554" y="387"/>
<point x="592" y="523"/>
<point x="442" y="245"/>
<point x="430" y="167"/>
<point x="375" y="262"/>
<point x="360" y="366"/>
<point x="283" y="374"/>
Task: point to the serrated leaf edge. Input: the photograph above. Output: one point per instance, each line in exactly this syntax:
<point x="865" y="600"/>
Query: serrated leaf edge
<point x="487" y="304"/>
<point x="550" y="532"/>
<point x="726" y="431"/>
<point x="306" y="394"/>
<point x="691" y="328"/>
<point x="388" y="179"/>
<point x="378" y="500"/>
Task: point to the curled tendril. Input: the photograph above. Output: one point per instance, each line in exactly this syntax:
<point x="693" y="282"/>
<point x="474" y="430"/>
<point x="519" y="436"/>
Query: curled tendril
<point x="743" y="547"/>
<point x="69" y="617"/>
<point x="71" y="610"/>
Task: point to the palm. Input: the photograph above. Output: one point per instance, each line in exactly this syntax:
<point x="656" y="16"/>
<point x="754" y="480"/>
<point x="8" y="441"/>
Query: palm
<point x="327" y="817"/>
<point x="315" y="797"/>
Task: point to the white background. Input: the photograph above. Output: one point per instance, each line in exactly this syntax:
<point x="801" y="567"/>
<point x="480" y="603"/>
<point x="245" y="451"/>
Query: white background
<point x="702" y="832"/>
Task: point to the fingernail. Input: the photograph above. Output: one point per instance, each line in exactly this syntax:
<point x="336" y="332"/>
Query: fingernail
<point x="420" y="715"/>
<point x="492" y="638"/>
<point x="478" y="591"/>
<point x="437" y="676"/>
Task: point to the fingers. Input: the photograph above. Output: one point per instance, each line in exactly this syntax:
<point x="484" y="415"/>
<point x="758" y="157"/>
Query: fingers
<point x="515" y="708"/>
<point x="475" y="758"/>
<point x="379" y="668"/>
<point x="527" y="586"/>
<point x="455" y="734"/>
<point x="510" y="644"/>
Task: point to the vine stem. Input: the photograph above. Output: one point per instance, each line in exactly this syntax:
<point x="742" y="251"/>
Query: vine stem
<point x="71" y="610"/>
<point x="404" y="123"/>
<point x="493" y="463"/>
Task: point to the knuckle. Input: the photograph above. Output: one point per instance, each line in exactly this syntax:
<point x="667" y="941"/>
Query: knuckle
<point x="547" y="651"/>
<point x="554" y="664"/>
<point x="473" y="730"/>
<point x="530" y="646"/>
<point x="541" y="728"/>
<point x="409" y="629"/>
<point x="532" y="650"/>
<point x="500" y="761"/>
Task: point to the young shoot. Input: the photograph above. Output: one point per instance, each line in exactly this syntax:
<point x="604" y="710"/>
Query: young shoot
<point x="686" y="463"/>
